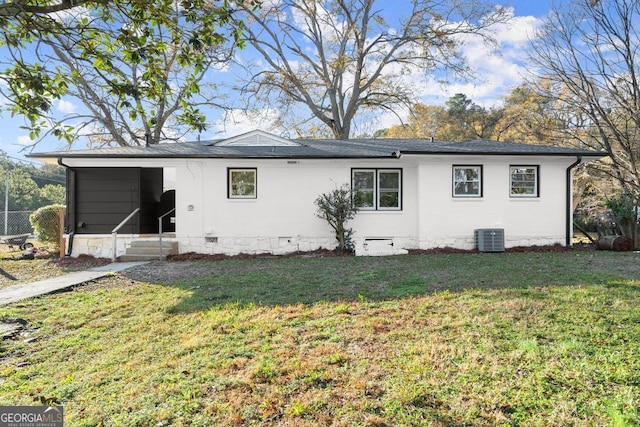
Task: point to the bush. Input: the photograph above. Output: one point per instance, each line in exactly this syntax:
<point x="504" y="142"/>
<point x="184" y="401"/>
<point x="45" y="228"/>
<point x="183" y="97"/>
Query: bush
<point x="337" y="207"/>
<point x="623" y="209"/>
<point x="586" y="221"/>
<point x="45" y="222"/>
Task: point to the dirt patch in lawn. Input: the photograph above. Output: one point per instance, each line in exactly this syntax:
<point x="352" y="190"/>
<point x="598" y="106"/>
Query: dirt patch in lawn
<point x="166" y="272"/>
<point x="189" y="265"/>
<point x="192" y="256"/>
<point x="80" y="262"/>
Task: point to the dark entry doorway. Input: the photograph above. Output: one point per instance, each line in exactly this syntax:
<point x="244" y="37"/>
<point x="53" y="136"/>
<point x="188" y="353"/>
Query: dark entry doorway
<point x="168" y="203"/>
<point x="98" y="199"/>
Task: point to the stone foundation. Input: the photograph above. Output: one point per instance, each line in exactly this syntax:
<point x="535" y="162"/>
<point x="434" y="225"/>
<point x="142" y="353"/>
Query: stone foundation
<point x="256" y="245"/>
<point x="101" y="245"/>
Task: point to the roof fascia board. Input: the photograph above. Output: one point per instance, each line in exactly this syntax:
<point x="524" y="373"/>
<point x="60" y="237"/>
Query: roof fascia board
<point x="493" y="153"/>
<point x="396" y="154"/>
<point x="202" y="157"/>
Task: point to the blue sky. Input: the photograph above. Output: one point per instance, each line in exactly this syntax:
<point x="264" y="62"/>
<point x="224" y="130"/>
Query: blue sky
<point x="497" y="74"/>
<point x="531" y="7"/>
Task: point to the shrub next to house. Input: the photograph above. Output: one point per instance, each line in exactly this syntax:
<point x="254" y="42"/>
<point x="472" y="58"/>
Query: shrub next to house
<point x="45" y="222"/>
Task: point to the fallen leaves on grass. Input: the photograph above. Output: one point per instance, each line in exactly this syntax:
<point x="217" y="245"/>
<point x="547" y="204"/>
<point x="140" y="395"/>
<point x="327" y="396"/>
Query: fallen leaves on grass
<point x="80" y="262"/>
<point x="17" y="271"/>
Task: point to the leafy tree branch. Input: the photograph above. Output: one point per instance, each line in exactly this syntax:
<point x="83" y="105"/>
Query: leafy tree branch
<point x="137" y="67"/>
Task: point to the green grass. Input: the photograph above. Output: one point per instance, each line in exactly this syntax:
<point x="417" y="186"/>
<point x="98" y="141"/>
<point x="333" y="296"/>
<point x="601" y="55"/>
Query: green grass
<point x="532" y="339"/>
<point x="309" y="280"/>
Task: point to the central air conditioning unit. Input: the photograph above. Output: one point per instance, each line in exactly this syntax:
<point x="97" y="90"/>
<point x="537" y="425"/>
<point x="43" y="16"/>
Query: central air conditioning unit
<point x="489" y="239"/>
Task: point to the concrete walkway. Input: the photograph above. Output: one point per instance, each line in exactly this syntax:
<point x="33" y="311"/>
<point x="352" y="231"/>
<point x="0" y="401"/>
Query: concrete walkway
<point x="29" y="290"/>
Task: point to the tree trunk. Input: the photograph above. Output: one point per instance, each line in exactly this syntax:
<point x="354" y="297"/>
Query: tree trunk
<point x="634" y="236"/>
<point x="615" y="243"/>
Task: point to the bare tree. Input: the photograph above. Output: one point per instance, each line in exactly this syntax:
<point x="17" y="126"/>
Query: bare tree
<point x="336" y="57"/>
<point x="588" y="51"/>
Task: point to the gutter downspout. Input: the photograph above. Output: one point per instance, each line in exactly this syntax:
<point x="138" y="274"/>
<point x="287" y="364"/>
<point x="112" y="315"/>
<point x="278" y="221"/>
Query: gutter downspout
<point x="569" y="230"/>
<point x="72" y="232"/>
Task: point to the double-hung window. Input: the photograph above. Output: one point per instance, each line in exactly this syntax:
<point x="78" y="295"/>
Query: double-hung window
<point x="524" y="181"/>
<point x="377" y="189"/>
<point x="242" y="183"/>
<point x="467" y="181"/>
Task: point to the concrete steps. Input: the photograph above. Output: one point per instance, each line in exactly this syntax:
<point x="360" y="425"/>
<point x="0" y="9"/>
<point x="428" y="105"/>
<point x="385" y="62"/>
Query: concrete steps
<point x="148" y="250"/>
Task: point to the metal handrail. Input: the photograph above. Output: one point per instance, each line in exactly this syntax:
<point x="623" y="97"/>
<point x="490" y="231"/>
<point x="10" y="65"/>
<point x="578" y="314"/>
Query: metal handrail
<point x="160" y="218"/>
<point x="114" y="232"/>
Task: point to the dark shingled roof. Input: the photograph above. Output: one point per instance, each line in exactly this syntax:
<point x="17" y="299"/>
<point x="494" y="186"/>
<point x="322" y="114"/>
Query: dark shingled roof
<point x="323" y="148"/>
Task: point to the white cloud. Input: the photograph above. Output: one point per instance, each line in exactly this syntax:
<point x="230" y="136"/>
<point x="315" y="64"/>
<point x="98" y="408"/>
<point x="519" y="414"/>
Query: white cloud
<point x="517" y="32"/>
<point x="221" y="67"/>
<point x="330" y="25"/>
<point x="238" y="122"/>
<point x="71" y="15"/>
<point x="24" y="140"/>
<point x="66" y="107"/>
<point x="497" y="69"/>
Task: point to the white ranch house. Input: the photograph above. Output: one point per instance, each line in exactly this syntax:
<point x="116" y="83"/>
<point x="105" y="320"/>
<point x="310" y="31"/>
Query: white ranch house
<point x="255" y="193"/>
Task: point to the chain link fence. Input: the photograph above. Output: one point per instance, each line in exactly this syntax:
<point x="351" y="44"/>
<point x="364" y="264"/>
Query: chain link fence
<point x="17" y="222"/>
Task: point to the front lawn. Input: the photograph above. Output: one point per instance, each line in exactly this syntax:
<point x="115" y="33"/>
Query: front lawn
<point x="527" y="339"/>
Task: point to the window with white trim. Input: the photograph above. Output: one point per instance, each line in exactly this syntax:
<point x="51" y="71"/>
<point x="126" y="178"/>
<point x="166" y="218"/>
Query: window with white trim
<point x="467" y="181"/>
<point x="524" y="181"/>
<point x="242" y="183"/>
<point x="377" y="189"/>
